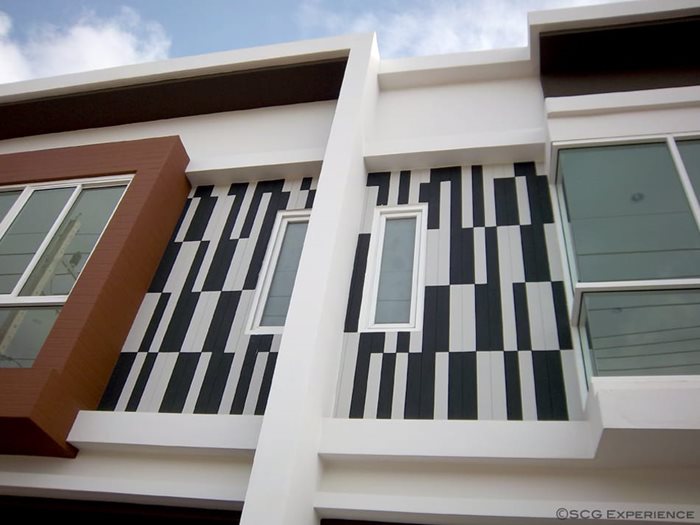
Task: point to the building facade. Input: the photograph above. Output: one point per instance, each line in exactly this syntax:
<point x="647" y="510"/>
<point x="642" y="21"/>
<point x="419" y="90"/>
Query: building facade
<point x="301" y="284"/>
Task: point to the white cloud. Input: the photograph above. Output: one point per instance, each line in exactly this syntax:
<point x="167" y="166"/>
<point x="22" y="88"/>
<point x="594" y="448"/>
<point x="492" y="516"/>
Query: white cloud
<point x="434" y="26"/>
<point x="90" y="43"/>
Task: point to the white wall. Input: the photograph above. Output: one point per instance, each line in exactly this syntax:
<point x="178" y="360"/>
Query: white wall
<point x="466" y="117"/>
<point x="222" y="140"/>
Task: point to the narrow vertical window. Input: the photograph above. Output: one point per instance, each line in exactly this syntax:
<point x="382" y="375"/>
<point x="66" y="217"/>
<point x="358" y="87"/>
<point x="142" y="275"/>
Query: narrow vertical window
<point x="393" y="286"/>
<point x="278" y="273"/>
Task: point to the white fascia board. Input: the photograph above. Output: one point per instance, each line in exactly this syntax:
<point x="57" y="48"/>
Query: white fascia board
<point x="184" y="67"/>
<point x="194" y="433"/>
<point x="603" y="103"/>
<point x="493" y="64"/>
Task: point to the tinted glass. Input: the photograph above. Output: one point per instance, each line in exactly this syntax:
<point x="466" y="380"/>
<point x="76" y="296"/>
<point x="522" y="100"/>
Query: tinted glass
<point x="644" y="333"/>
<point x="7" y="199"/>
<point x="280" y="293"/>
<point x="66" y="254"/>
<point x="22" y="333"/>
<point x="28" y="230"/>
<point x="690" y="152"/>
<point x="629" y="216"/>
<point x="396" y="272"/>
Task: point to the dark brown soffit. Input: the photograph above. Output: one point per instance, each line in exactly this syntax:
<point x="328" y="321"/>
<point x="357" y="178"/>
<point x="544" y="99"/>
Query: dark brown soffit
<point x="631" y="57"/>
<point x="275" y="86"/>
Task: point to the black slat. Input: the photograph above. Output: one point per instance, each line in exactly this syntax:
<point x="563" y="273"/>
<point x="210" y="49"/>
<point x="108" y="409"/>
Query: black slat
<point x="186" y="304"/>
<point x="506" y="202"/>
<point x="214" y="383"/>
<point x="221" y="322"/>
<point x="202" y="216"/>
<point x="494" y="290"/>
<point x="560" y="312"/>
<point x="404" y="187"/>
<point x="381" y="180"/>
<point x="256" y="344"/>
<point x="357" y="282"/>
<point x="154" y="323"/>
<point x="117" y="381"/>
<point x="386" y="386"/>
<point x="359" y="386"/>
<point x="478" y="196"/>
<point x="266" y="384"/>
<point x="412" y="406"/>
<point x="514" y="405"/>
<point x="140" y="386"/>
<point x="522" y="317"/>
<point x="462" y="400"/>
<point x="278" y="201"/>
<point x="165" y="267"/>
<point x="180" y="381"/>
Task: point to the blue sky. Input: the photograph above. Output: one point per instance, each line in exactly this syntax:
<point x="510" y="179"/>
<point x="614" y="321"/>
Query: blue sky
<point x="41" y="38"/>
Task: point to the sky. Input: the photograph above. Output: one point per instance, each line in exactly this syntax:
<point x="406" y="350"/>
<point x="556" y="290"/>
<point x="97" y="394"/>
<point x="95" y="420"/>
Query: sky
<point x="40" y="38"/>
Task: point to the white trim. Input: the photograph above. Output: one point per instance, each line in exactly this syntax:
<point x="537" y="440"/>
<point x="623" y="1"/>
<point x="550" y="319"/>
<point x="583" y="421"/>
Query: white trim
<point x="267" y="270"/>
<point x="14" y="210"/>
<point x="374" y="254"/>
<point x="110" y="180"/>
<point x="30" y="301"/>
<point x="685" y="179"/>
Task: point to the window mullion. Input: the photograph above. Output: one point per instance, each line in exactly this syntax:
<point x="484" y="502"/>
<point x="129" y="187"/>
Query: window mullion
<point x="685" y="179"/>
<point x="15" y="210"/>
<point x="47" y="239"/>
<point x="30" y="302"/>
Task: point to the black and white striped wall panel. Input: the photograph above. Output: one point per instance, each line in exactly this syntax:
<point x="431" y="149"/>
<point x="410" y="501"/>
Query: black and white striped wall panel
<point x="495" y="341"/>
<point x="187" y="350"/>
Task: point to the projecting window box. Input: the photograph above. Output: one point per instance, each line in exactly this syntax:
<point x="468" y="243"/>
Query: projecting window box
<point x="632" y="228"/>
<point x="47" y="233"/>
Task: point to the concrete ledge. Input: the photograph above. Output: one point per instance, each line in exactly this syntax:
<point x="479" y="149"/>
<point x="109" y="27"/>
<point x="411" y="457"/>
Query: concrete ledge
<point x="484" y="148"/>
<point x="449" y="511"/>
<point x="193" y="433"/>
<point x="416" y="439"/>
<point x="622" y="102"/>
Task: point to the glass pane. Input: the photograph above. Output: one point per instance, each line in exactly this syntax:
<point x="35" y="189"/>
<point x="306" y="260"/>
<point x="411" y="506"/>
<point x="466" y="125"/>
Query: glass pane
<point x="396" y="272"/>
<point x="66" y="254"/>
<point x="629" y="216"/>
<point x="644" y="333"/>
<point x="277" y="304"/>
<point x="22" y="333"/>
<point x="27" y="232"/>
<point x="7" y="199"/>
<point x="690" y="151"/>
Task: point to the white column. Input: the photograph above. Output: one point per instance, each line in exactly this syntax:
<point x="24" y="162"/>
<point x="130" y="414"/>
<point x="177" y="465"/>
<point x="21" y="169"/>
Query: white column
<point x="286" y="465"/>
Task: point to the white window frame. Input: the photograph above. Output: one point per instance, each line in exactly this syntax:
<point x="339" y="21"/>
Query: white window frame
<point x="576" y="288"/>
<point x="14" y="299"/>
<point x="373" y="270"/>
<point x="267" y="271"/>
